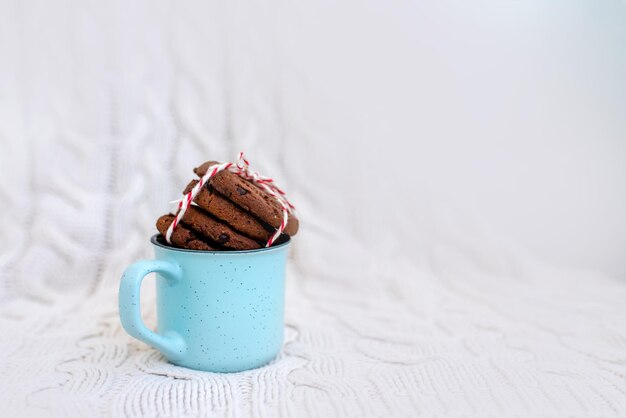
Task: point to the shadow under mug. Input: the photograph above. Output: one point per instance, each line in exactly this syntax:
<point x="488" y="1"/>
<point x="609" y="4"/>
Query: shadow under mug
<point x="220" y="311"/>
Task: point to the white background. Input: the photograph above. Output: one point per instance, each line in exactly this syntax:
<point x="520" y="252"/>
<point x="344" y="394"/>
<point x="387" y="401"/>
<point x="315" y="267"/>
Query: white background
<point x="458" y="167"/>
<point x="510" y="112"/>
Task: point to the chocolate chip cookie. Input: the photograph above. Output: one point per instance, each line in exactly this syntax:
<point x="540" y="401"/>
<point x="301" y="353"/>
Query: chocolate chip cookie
<point x="228" y="213"/>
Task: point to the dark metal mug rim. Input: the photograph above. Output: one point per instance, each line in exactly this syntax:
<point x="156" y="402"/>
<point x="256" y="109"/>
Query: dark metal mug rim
<point x="155" y="242"/>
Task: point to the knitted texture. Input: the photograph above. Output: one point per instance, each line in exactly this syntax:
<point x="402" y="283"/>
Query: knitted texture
<point x="106" y="106"/>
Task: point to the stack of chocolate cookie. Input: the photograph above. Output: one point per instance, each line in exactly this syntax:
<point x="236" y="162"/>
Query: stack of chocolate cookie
<point x="230" y="213"/>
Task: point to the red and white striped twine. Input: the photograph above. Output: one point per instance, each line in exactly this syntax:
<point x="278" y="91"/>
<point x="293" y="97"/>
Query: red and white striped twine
<point x="241" y="168"/>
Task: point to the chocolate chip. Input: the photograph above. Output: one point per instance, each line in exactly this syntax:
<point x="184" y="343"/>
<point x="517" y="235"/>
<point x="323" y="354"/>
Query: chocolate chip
<point x="241" y="191"/>
<point x="222" y="238"/>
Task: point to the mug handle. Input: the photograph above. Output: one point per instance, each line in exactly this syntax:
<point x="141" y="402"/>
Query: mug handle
<point x="171" y="344"/>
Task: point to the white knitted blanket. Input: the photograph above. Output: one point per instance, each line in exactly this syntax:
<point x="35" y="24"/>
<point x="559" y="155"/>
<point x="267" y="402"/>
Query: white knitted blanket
<point x="405" y="308"/>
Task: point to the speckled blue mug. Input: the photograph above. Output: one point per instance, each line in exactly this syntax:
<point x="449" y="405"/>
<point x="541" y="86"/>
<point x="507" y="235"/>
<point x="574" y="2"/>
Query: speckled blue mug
<point x="219" y="311"/>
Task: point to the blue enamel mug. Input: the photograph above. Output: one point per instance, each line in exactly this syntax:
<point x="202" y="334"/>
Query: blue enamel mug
<point x="219" y="311"/>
